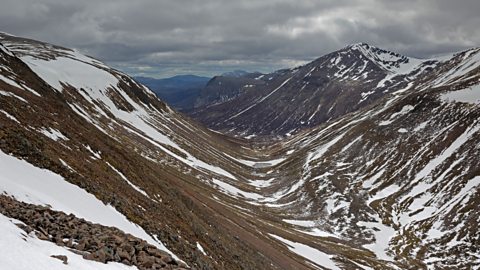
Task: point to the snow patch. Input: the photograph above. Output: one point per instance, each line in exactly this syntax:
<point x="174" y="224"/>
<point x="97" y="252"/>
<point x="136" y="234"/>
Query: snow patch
<point x="53" y="134"/>
<point x="311" y="254"/>
<point x="21" y="251"/>
<point x="30" y="184"/>
<point x="468" y="95"/>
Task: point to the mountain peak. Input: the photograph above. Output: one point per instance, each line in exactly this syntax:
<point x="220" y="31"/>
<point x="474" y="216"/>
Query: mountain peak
<point x="358" y="45"/>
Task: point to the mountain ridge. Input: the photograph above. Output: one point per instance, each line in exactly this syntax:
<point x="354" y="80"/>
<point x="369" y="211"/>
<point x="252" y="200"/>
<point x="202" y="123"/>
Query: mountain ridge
<point x="316" y="92"/>
<point x="392" y="185"/>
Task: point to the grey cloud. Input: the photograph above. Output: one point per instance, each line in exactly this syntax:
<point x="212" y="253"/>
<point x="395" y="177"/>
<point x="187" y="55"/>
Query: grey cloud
<point x="163" y="38"/>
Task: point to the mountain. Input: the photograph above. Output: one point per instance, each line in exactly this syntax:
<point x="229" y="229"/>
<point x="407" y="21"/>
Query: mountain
<point x="79" y="137"/>
<point x="179" y="91"/>
<point x="224" y="88"/>
<point x="235" y="73"/>
<point x="95" y="168"/>
<point x="336" y="84"/>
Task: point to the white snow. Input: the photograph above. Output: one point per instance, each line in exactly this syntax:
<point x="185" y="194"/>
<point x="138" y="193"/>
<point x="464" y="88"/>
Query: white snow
<point x="138" y="189"/>
<point x="257" y="163"/>
<point x="421" y="126"/>
<point x="236" y="191"/>
<point x="433" y="163"/>
<point x="320" y="151"/>
<point x="383" y="193"/>
<point x="261" y="100"/>
<point x="199" y="247"/>
<point x="469" y="62"/>
<point x="9" y="94"/>
<point x="96" y="155"/>
<point x="95" y="83"/>
<point x="302" y="223"/>
<point x="9" y="116"/>
<point x="5" y="50"/>
<point x="370" y="181"/>
<point x="317" y="232"/>
<point x="53" y="134"/>
<point x="311" y="254"/>
<point x="21" y="251"/>
<point x="72" y="72"/>
<point x="468" y="95"/>
<point x="261" y="183"/>
<point x="30" y="184"/>
<point x="402" y="130"/>
<point x="383" y="234"/>
<point x="405" y="109"/>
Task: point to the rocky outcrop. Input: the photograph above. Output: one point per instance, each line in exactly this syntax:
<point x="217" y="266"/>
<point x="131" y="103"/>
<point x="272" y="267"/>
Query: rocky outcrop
<point x="92" y="241"/>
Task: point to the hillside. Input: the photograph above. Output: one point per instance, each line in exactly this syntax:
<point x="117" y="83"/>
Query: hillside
<point x="95" y="166"/>
<point x="287" y="101"/>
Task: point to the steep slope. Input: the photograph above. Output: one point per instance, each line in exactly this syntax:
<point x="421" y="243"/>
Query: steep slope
<point x="179" y="91"/>
<point x="400" y="178"/>
<point x="289" y="100"/>
<point x="393" y="185"/>
<point x="94" y="127"/>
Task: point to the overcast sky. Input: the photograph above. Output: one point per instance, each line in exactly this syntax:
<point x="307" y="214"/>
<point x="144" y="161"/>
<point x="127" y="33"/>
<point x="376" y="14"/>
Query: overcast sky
<point x="206" y="37"/>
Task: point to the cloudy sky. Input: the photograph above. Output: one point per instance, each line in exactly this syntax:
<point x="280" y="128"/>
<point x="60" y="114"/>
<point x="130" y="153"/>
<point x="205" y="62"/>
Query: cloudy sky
<point x="163" y="38"/>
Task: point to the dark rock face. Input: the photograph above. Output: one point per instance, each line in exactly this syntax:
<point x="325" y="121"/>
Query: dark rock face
<point x="93" y="241"/>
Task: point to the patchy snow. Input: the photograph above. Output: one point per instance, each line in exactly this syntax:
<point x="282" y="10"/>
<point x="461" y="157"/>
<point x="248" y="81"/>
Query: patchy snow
<point x="468" y="95"/>
<point x="405" y="109"/>
<point x="317" y="232"/>
<point x="9" y="116"/>
<point x="261" y="183"/>
<point x="30" y="184"/>
<point x="421" y="126"/>
<point x="138" y="189"/>
<point x="236" y="191"/>
<point x="333" y="205"/>
<point x="402" y="130"/>
<point x="5" y="50"/>
<point x="468" y="63"/>
<point x="200" y="248"/>
<point x="302" y="223"/>
<point x="320" y="151"/>
<point x="257" y="164"/>
<point x="13" y="83"/>
<point x="96" y="155"/>
<point x="9" y="94"/>
<point x="21" y="251"/>
<point x="370" y="181"/>
<point x="365" y="95"/>
<point x="261" y="100"/>
<point x="53" y="134"/>
<point x="383" y="234"/>
<point x="311" y="254"/>
<point x="65" y="164"/>
<point x="72" y="72"/>
<point x="433" y="163"/>
<point x="383" y="193"/>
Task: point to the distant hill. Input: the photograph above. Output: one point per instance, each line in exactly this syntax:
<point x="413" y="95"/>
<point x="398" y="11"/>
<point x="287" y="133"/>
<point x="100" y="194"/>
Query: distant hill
<point x="179" y="91"/>
<point x="235" y="73"/>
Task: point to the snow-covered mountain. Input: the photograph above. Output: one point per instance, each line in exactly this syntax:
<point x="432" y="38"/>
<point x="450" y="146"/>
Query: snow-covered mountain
<point x="338" y="83"/>
<point x="391" y="185"/>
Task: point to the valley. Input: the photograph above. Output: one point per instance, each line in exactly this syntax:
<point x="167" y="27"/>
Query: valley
<point x="361" y="159"/>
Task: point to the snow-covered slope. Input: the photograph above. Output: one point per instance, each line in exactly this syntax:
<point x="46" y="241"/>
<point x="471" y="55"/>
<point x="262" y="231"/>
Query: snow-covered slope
<point x="104" y="140"/>
<point x="22" y="251"/>
<point x="391" y="185"/>
<point x="287" y="101"/>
